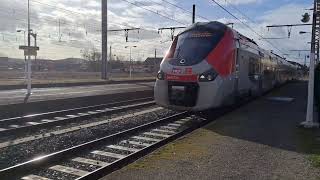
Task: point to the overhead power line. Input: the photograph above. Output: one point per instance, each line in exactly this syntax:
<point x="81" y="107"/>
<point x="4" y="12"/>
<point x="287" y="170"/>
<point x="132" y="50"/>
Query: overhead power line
<point x="246" y="25"/>
<point x="288" y="25"/>
<point x="252" y="21"/>
<point x="172" y="29"/>
<point x="155" y="12"/>
<point x="126" y="31"/>
<point x="185" y="10"/>
<point x="61" y="9"/>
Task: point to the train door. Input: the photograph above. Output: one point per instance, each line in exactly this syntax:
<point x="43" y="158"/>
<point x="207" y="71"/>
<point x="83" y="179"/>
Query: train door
<point x="261" y="57"/>
<point x="236" y="70"/>
<point x="243" y="82"/>
<point x="254" y="73"/>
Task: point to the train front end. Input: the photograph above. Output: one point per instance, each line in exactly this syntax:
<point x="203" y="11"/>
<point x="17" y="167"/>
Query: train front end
<point x="193" y="75"/>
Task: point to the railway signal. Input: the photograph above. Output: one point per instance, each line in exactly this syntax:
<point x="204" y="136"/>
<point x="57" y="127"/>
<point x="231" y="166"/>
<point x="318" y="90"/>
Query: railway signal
<point x="305" y="18"/>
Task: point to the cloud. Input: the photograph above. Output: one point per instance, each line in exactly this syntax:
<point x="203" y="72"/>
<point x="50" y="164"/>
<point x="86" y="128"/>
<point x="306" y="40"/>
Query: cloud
<point x="238" y="2"/>
<point x="80" y="25"/>
<point x="287" y="14"/>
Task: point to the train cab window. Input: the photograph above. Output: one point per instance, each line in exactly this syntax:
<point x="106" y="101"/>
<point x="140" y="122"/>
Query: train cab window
<point x="194" y="45"/>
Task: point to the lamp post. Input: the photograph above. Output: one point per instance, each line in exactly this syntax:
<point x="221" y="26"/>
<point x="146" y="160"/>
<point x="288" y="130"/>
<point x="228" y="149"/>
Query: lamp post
<point x="25" y="58"/>
<point x="29" y="51"/>
<point x="24" y="35"/>
<point x="29" y="57"/>
<point x="130" y="70"/>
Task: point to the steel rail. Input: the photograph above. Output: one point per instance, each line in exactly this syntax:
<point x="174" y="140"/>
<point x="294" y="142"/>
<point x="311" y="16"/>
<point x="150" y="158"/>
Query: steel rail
<point x="69" y="116"/>
<point x="29" y="166"/>
<point x="74" y="110"/>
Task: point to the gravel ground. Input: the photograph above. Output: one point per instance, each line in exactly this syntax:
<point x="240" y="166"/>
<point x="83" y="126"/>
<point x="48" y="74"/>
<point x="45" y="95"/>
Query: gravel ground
<point x="68" y="125"/>
<point x="56" y="175"/>
<point x="22" y="152"/>
<point x="257" y="141"/>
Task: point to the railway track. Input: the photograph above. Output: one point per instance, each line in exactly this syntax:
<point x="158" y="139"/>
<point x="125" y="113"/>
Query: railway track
<point x="97" y="158"/>
<point x="33" y="122"/>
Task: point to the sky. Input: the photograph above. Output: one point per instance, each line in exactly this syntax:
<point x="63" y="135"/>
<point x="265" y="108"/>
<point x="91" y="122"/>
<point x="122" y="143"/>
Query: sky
<point x="66" y="28"/>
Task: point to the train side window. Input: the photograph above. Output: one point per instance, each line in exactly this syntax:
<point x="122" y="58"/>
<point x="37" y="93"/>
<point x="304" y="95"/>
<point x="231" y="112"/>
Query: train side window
<point x="254" y="67"/>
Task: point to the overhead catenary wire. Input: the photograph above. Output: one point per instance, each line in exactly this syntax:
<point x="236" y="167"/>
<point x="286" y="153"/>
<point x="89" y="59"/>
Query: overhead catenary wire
<point x="155" y="12"/>
<point x="251" y="20"/>
<point x="187" y="11"/>
<point x="246" y="25"/>
<point x="77" y="25"/>
<point x="261" y="36"/>
<point x="70" y="12"/>
<point x="51" y="37"/>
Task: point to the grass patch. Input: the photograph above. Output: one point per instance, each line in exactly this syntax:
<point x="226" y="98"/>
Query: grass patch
<point x="185" y="149"/>
<point x="315" y="160"/>
<point x="309" y="143"/>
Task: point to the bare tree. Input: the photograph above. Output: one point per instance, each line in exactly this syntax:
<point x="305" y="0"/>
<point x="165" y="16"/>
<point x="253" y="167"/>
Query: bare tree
<point x="93" y="58"/>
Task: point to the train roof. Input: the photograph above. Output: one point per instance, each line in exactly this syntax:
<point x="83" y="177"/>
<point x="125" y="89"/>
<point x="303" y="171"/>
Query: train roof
<point x="213" y="25"/>
<point x="218" y="26"/>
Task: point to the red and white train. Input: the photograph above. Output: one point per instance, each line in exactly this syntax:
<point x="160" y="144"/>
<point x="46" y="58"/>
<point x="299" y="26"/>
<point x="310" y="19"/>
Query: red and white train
<point x="211" y="65"/>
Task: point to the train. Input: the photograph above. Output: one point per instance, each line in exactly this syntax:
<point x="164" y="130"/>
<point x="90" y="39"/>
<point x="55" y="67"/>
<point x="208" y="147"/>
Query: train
<point x="211" y="65"/>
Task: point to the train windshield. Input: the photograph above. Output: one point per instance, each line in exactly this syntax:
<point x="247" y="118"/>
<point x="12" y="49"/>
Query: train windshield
<point x="194" y="46"/>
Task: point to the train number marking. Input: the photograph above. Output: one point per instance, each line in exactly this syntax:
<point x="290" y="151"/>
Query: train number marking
<point x="176" y="71"/>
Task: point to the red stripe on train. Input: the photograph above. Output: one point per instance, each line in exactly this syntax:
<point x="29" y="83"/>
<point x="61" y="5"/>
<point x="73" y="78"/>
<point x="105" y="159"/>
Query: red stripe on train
<point x="222" y="58"/>
<point x="183" y="78"/>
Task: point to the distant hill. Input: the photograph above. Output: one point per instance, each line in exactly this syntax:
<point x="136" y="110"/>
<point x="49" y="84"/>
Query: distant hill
<point x="72" y="60"/>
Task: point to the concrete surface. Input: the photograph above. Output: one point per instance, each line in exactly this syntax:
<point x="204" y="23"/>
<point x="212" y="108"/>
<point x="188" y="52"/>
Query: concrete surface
<point x="260" y="140"/>
<point x="13" y="84"/>
<point x="44" y="94"/>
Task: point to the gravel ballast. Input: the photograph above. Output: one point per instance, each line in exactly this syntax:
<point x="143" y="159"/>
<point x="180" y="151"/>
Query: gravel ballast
<point x="16" y="154"/>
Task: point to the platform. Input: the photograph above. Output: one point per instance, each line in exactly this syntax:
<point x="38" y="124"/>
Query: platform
<point x="260" y="140"/>
<point x="44" y="94"/>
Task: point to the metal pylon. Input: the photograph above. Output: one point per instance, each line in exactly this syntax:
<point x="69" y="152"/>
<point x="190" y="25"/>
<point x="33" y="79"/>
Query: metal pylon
<point x="316" y="29"/>
<point x="310" y="122"/>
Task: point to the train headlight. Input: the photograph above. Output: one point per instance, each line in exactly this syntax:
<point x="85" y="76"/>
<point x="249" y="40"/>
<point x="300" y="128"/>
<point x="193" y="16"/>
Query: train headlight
<point x="160" y="75"/>
<point x="208" y="76"/>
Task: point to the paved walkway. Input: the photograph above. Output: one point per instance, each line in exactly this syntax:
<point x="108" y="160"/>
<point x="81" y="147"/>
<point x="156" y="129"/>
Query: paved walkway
<point x="257" y="141"/>
<point x="43" y="94"/>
